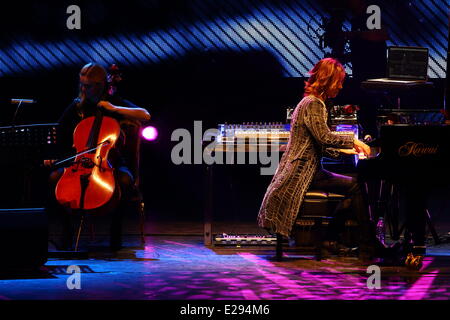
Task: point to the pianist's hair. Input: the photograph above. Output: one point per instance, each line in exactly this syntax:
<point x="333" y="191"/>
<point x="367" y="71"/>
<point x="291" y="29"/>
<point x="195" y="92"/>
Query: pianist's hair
<point x="326" y="76"/>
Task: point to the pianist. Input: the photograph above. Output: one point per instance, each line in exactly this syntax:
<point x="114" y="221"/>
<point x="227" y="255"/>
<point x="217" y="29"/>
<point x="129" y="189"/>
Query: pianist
<point x="300" y="168"/>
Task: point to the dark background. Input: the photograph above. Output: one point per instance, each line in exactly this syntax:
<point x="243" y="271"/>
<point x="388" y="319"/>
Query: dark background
<point x="211" y="85"/>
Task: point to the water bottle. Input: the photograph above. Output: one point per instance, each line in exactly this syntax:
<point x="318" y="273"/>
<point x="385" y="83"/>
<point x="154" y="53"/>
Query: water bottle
<point x="381" y="229"/>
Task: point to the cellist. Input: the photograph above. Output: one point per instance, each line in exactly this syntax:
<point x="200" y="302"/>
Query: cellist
<point x="93" y="95"/>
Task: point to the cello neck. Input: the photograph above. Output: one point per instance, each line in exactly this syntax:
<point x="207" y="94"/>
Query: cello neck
<point x="95" y="130"/>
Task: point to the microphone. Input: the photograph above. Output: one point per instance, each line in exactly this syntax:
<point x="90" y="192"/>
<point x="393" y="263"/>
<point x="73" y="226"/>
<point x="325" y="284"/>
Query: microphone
<point x="22" y="101"/>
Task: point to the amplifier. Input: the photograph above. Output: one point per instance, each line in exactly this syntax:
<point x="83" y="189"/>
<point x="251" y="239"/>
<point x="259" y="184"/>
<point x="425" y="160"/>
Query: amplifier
<point x="23" y="238"/>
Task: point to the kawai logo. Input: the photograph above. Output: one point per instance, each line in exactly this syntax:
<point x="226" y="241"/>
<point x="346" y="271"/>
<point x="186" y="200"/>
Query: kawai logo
<point x="416" y="149"/>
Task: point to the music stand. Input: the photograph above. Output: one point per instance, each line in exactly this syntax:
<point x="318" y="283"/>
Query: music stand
<point x="26" y="145"/>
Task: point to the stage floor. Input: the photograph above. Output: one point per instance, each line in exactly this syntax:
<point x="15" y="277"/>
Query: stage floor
<point x="180" y="267"/>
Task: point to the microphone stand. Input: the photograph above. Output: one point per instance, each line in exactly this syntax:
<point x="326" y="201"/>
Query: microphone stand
<point x="27" y="167"/>
<point x="13" y="122"/>
<point x="25" y="178"/>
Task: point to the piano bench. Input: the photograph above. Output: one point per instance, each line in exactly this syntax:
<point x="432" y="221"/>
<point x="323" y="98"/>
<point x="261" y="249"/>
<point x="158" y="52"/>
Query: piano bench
<point x="319" y="203"/>
<point x="312" y="222"/>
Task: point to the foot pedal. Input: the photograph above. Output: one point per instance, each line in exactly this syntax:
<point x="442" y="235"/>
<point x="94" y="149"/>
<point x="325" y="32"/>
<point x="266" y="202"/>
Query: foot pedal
<point x="414" y="262"/>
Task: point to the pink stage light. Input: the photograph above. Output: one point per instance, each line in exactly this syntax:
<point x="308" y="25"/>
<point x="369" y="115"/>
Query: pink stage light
<point x="150" y="133"/>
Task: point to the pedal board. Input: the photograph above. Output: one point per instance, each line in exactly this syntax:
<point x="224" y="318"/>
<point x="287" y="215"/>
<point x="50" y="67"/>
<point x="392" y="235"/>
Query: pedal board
<point x="244" y="240"/>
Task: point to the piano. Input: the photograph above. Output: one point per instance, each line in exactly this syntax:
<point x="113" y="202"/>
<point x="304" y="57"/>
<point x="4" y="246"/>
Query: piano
<point x="408" y="152"/>
<point x="409" y="161"/>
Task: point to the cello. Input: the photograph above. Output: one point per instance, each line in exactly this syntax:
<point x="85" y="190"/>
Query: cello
<point x="88" y="185"/>
<point x="89" y="182"/>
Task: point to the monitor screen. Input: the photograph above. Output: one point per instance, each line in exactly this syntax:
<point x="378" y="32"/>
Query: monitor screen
<point x="408" y="63"/>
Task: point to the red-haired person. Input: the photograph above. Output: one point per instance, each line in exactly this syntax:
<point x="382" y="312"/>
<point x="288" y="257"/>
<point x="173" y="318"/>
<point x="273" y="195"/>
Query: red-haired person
<point x="300" y="166"/>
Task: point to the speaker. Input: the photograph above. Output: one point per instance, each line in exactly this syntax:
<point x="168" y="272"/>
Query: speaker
<point x="23" y="238"/>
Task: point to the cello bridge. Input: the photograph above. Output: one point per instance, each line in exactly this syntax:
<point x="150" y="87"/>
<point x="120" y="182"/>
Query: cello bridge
<point x="87" y="163"/>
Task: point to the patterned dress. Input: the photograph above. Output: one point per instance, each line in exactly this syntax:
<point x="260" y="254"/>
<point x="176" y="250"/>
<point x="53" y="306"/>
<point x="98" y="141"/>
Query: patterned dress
<point x="310" y="137"/>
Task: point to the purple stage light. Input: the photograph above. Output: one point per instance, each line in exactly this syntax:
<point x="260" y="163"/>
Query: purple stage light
<point x="149" y="133"/>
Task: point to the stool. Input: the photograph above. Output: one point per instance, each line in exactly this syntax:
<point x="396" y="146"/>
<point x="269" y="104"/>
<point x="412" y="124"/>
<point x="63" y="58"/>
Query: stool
<point x="313" y="218"/>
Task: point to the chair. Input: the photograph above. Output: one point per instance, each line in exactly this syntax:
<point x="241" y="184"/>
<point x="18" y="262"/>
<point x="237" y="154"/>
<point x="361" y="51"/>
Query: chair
<point x="313" y="218"/>
<point x="130" y="151"/>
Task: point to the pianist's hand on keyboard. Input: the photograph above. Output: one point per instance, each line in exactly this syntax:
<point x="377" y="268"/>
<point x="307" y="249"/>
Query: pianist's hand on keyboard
<point x="348" y="151"/>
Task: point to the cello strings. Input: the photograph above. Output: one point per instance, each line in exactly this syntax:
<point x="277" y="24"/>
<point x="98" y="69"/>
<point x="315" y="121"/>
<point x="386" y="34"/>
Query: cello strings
<point x="83" y="152"/>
